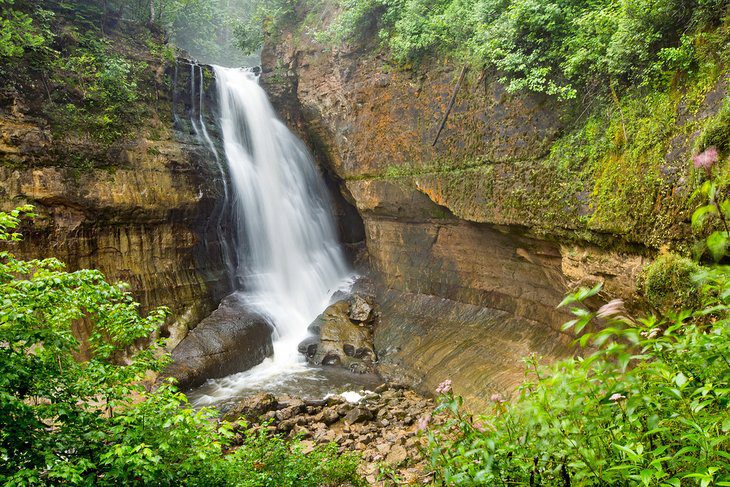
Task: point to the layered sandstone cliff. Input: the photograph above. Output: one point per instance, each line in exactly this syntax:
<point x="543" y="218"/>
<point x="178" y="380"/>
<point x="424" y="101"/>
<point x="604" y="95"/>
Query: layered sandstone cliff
<point x="476" y="238"/>
<point x="142" y="209"/>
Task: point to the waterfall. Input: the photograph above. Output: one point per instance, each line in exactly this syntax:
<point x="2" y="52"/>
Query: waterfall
<point x="289" y="258"/>
<point x="201" y="132"/>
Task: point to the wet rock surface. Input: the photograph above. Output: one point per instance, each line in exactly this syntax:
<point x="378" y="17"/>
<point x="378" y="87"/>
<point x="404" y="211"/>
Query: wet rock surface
<point x="343" y="334"/>
<point x="382" y="427"/>
<point x="232" y="339"/>
<point x="141" y="209"/>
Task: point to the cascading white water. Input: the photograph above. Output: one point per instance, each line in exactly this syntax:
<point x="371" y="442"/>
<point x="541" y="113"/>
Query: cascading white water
<point x="201" y="132"/>
<point x="289" y="259"/>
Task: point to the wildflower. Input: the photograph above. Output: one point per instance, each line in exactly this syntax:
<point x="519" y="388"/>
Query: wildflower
<point x="612" y="308"/>
<point x="423" y="422"/>
<point x="444" y="387"/>
<point x="706" y="159"/>
<point x="498" y="398"/>
<point x="616" y="397"/>
<point x="653" y="333"/>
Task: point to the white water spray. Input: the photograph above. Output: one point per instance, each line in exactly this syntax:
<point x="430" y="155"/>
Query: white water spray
<point x="289" y="259"/>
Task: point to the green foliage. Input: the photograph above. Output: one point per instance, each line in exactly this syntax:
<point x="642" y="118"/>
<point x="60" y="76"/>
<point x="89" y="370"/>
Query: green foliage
<point x="77" y="413"/>
<point x="717" y="132"/>
<point x="649" y="406"/>
<point x="557" y="47"/>
<point x="667" y="283"/>
<point x="209" y="30"/>
<point x="206" y="29"/>
<point x="262" y="17"/>
<point x="100" y="89"/>
<point x="713" y="214"/>
<point x="21" y="32"/>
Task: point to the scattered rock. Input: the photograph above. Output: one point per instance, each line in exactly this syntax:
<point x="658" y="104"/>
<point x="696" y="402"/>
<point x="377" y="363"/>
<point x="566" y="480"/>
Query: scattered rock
<point x="253" y="408"/>
<point x="330" y="416"/>
<point x="381" y="427"/>
<point x="396" y="455"/>
<point x="360" y="309"/>
<point x="358" y="415"/>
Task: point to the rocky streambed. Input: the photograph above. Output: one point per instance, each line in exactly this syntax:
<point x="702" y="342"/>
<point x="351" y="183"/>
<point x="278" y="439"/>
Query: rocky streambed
<point x="383" y="426"/>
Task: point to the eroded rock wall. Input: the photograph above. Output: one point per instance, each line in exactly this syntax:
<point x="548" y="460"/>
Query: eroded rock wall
<point x="474" y="238"/>
<point x="142" y="210"/>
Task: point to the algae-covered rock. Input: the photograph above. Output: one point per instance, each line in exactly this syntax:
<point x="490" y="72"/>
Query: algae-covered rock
<point x="340" y="340"/>
<point x="667" y="283"/>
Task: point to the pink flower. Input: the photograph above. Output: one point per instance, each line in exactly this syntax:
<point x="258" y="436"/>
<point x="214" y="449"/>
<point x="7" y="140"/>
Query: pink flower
<point x="498" y="398"/>
<point x="423" y="422"/>
<point x="444" y="387"/>
<point x="706" y="160"/>
<point x="616" y="397"/>
<point x="613" y="307"/>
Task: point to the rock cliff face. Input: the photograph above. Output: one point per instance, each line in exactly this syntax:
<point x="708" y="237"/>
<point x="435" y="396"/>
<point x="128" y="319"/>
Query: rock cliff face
<point x="141" y="210"/>
<point x="476" y="238"/>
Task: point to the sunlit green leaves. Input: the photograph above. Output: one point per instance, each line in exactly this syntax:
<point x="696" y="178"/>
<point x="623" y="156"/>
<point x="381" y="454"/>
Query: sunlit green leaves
<point x="70" y="416"/>
<point x="557" y="47"/>
<point x="648" y="405"/>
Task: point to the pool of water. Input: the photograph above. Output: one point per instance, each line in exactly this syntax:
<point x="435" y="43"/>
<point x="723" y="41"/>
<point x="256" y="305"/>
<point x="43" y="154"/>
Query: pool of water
<point x="308" y="383"/>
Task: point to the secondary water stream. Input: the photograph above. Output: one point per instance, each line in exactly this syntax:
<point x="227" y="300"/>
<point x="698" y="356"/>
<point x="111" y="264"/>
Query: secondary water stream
<point x="289" y="259"/>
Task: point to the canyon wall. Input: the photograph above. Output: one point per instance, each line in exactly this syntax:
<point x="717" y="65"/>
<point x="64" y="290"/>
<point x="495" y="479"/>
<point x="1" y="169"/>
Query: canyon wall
<point x="475" y="238"/>
<point x="142" y="209"/>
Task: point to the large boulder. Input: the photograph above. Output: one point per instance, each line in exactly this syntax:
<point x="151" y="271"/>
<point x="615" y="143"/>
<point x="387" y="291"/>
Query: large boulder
<point x="342" y="335"/>
<point x="232" y="339"/>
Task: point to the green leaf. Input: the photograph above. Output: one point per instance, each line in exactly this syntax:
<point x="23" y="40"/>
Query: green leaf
<point x="701" y="214"/>
<point x="717" y="244"/>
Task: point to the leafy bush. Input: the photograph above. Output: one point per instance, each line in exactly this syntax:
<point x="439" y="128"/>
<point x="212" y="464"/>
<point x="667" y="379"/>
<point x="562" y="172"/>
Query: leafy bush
<point x="713" y="213"/>
<point x="261" y="17"/>
<point x="648" y="407"/>
<point x="20" y="32"/>
<point x="717" y="131"/>
<point x="67" y="419"/>
<point x="101" y="89"/>
<point x="557" y="46"/>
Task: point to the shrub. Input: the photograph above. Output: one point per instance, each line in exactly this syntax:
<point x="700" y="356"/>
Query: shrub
<point x="66" y="420"/>
<point x="100" y="90"/>
<point x="20" y="32"/>
<point x="648" y="407"/>
<point x="559" y="47"/>
<point x="717" y="131"/>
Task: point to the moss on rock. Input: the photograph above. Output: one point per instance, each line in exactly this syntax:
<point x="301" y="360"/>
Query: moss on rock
<point x="667" y="283"/>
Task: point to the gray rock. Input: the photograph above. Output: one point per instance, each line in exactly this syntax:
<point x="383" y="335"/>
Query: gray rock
<point x="339" y="341"/>
<point x="331" y="359"/>
<point x="330" y="416"/>
<point x="232" y="339"/>
<point x="397" y="455"/>
<point x="360" y="309"/>
<point x="253" y="408"/>
<point x="308" y="346"/>
<point x="358" y="415"/>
